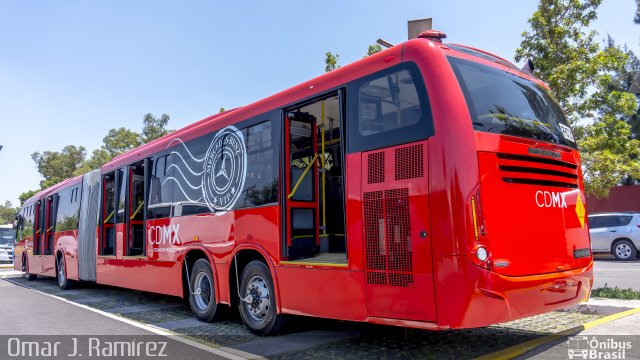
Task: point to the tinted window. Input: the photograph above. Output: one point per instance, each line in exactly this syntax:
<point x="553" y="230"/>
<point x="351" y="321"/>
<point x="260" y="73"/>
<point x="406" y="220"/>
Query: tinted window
<point x="122" y="197"/>
<point x="604" y="221"/>
<point x="388" y="108"/>
<point x="503" y="103"/>
<point x="388" y="103"/>
<point x="233" y="168"/>
<point x="68" y="210"/>
<point x="624" y="220"/>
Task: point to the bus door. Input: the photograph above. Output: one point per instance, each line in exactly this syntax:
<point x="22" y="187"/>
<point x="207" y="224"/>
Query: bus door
<point x="48" y="233"/>
<point x="135" y="217"/>
<point x="301" y="180"/>
<point x="314" y="176"/>
<point x="107" y="245"/>
<point x="34" y="262"/>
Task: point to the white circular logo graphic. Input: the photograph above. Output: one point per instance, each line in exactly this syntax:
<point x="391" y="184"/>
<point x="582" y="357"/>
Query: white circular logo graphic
<point x="225" y="168"/>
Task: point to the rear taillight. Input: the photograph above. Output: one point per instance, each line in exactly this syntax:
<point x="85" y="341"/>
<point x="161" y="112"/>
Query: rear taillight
<point x="478" y="249"/>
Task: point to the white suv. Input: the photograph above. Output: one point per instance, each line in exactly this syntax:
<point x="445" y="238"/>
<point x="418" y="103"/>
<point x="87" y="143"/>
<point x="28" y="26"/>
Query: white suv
<point x="617" y="233"/>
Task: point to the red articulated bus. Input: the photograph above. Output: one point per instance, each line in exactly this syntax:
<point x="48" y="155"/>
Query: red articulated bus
<point x="430" y="185"/>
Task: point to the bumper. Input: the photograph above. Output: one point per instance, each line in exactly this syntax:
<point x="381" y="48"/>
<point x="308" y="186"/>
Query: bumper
<point x="492" y="298"/>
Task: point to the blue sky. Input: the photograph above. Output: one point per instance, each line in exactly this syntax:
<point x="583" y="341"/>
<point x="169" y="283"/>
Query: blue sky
<point x="72" y="70"/>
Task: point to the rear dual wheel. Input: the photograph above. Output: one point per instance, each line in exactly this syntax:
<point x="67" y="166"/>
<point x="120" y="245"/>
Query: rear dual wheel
<point x="258" y="305"/>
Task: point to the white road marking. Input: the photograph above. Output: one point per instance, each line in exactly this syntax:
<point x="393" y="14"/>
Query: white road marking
<point x="236" y="355"/>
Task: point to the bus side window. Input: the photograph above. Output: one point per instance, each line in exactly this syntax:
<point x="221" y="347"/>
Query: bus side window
<point x="388" y="108"/>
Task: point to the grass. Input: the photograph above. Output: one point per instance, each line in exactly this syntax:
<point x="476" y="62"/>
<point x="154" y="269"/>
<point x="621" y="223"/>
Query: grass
<point x="616" y="293"/>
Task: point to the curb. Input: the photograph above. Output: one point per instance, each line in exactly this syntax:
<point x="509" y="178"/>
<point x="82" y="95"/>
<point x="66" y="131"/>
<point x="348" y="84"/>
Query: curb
<point x="517" y="350"/>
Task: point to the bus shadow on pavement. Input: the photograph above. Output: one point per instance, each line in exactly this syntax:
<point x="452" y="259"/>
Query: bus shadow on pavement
<point x="311" y="338"/>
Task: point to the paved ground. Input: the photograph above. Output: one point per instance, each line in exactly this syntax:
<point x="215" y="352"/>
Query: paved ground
<point x="623" y="331"/>
<point x="611" y="272"/>
<point x="306" y="338"/>
<point x="38" y="316"/>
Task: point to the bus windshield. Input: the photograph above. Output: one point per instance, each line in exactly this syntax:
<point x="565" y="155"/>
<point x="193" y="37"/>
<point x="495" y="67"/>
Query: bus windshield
<point x="7" y="236"/>
<point x="503" y="103"/>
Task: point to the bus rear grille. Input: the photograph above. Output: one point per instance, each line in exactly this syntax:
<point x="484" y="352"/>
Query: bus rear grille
<point x="540" y="182"/>
<point x="535" y="170"/>
<point x="388" y="247"/>
<point x="409" y="162"/>
<point x="536" y="159"/>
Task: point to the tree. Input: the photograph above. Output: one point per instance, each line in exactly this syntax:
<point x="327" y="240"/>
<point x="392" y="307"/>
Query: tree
<point x="331" y="61"/>
<point x="636" y="19"/>
<point x="376" y="48"/>
<point x="222" y="110"/>
<point x="7" y="213"/>
<point x="569" y="59"/>
<point x="621" y="81"/>
<point x="154" y="127"/>
<point x="56" y="166"/>
<point x="120" y="140"/>
<point x="26" y="195"/>
<point x="98" y="158"/>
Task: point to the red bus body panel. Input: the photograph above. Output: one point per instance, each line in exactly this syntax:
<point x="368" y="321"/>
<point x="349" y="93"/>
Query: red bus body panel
<point x="436" y="284"/>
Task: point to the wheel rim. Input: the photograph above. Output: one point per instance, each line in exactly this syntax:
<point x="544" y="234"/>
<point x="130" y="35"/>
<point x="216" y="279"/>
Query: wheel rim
<point x="258" y="299"/>
<point x="203" y="291"/>
<point x="623" y="250"/>
<point x="61" y="275"/>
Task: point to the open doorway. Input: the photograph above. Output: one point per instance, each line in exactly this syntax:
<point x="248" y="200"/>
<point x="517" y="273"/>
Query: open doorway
<point x="315" y="183"/>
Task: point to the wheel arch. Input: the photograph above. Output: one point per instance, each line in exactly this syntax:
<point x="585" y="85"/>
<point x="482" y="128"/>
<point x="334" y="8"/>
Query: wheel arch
<point x="246" y="254"/>
<point x="191" y="255"/>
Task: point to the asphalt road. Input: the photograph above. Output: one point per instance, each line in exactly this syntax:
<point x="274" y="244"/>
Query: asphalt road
<point x="29" y="316"/>
<point x="611" y="272"/>
<point x="95" y="310"/>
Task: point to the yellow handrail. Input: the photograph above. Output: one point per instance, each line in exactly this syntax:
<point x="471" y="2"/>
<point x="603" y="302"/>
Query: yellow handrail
<point x="109" y="217"/>
<point x="137" y="211"/>
<point x="304" y="173"/>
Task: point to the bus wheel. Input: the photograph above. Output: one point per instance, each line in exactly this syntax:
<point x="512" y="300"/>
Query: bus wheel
<point x="202" y="298"/>
<point x="63" y="282"/>
<point x="27" y="275"/>
<point x="258" y="307"/>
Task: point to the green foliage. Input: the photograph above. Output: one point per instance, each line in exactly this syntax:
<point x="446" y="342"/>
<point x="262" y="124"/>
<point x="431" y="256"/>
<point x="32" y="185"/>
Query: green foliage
<point x="615" y="293"/>
<point x="373" y="49"/>
<point x="580" y="72"/>
<point x="120" y="140"/>
<point x="56" y="166"/>
<point x="222" y="110"/>
<point x="7" y="213"/>
<point x="621" y="81"/>
<point x="154" y="127"/>
<point x="26" y="195"/>
<point x="331" y="61"/>
<point x="98" y="158"/>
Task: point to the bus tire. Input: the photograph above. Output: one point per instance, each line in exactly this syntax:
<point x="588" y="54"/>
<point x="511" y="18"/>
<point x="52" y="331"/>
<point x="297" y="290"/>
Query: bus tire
<point x="61" y="274"/>
<point x="202" y="296"/>
<point x="27" y="275"/>
<point x="258" y="310"/>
